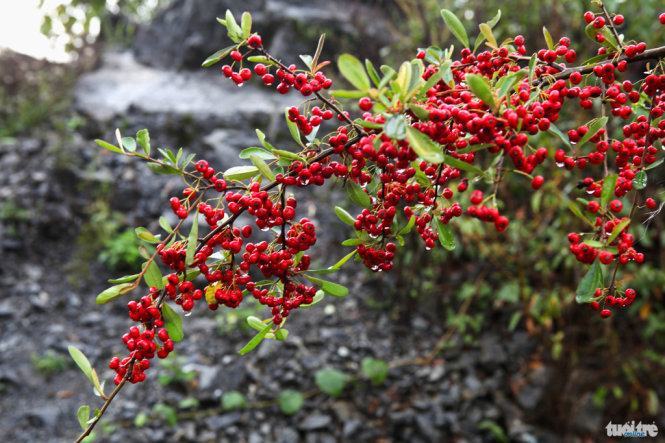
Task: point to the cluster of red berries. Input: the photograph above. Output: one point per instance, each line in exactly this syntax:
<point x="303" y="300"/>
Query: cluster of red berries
<point x="387" y="176"/>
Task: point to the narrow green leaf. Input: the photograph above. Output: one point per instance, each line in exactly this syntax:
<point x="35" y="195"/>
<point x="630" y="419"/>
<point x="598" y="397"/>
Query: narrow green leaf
<point x="578" y="212"/>
<point x="330" y="288"/>
<point x="146" y="235"/>
<point x="262" y="166"/>
<point x="609" y="183"/>
<point x="165" y="225"/>
<point x="240" y="173"/>
<point x="293" y="128"/>
<point x="192" y="240"/>
<point x="618" y="229"/>
<point x="424" y="146"/>
<point x="124" y="279"/>
<point x="480" y="87"/>
<point x="353" y="70"/>
<point x="371" y="71"/>
<point x="81" y="361"/>
<point x="548" y="38"/>
<point x="488" y="34"/>
<point x="113" y="292"/>
<point x="172" y="323"/>
<point x="215" y="58"/>
<point x="246" y="24"/>
<point x="259" y="152"/>
<point x="343" y="215"/>
<point x="153" y="276"/>
<point x="455" y="26"/>
<point x="256" y="340"/>
<point x="109" y="146"/>
<point x="446" y="236"/>
<point x="591" y="281"/>
<point x="640" y="180"/>
<point x="357" y="194"/>
<point x="594" y="126"/>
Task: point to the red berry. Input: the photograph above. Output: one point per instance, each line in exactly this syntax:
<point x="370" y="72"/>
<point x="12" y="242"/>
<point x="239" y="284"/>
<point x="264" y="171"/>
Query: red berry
<point x="537" y="182"/>
<point x="365" y="103"/>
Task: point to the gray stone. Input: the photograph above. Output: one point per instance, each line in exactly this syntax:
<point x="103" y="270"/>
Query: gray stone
<point x="315" y="421"/>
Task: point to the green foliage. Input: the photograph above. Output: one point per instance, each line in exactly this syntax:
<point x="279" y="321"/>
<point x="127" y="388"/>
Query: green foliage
<point x="49" y="363"/>
<point x="171" y="371"/>
<point x="79" y="22"/>
<point x="331" y="381"/>
<point x="233" y="400"/>
<point x="374" y="370"/>
<point x="290" y="401"/>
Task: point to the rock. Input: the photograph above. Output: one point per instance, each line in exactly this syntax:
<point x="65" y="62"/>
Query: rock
<point x="218" y="422"/>
<point x="492" y="352"/>
<point x="351" y="427"/>
<point x="288" y="28"/>
<point x="532" y="389"/>
<point x="286" y="435"/>
<point x="44" y="416"/>
<point x="586" y="416"/>
<point x="121" y="85"/>
<point x="315" y="421"/>
<point x="426" y="428"/>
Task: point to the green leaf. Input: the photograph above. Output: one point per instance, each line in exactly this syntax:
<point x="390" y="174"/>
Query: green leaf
<point x="486" y="31"/>
<point x="240" y="173"/>
<point x="345" y="93"/>
<point x="594" y="125"/>
<point x="548" y="38"/>
<point x="618" y="229"/>
<point x="330" y="288"/>
<point x="246" y="24"/>
<point x="281" y="334"/>
<point x="164" y="223"/>
<point x="446" y="236"/>
<point x="234" y="31"/>
<point x="578" y="212"/>
<point x="424" y="146"/>
<point x="215" y="58"/>
<point x="506" y="83"/>
<point x="554" y="129"/>
<point x="172" y="323"/>
<point x="290" y="401"/>
<point x="146" y="235"/>
<point x="192" y="240"/>
<point x="331" y="381"/>
<point x="610" y="41"/>
<point x="293" y="128"/>
<point x="395" y="127"/>
<point x="153" y="276"/>
<point x="81" y="361"/>
<point x="532" y="66"/>
<point x="83" y="415"/>
<point x="357" y="194"/>
<point x="373" y="74"/>
<point x="262" y="139"/>
<point x="456" y="26"/>
<point x="375" y="370"/>
<point x="480" y="87"/>
<point x="317" y="298"/>
<point x="256" y="340"/>
<point x="654" y="164"/>
<point x="352" y="242"/>
<point x="113" y="292"/>
<point x="233" y="400"/>
<point x="589" y="283"/>
<point x="609" y="183"/>
<point x="124" y="279"/>
<point x="255" y="323"/>
<point x="109" y="146"/>
<point x="262" y="166"/>
<point x="353" y="70"/>
<point x="259" y="152"/>
<point x="143" y="139"/>
<point x="343" y="215"/>
<point x="640" y="180"/>
<point x="129" y="144"/>
<point x="409" y="226"/>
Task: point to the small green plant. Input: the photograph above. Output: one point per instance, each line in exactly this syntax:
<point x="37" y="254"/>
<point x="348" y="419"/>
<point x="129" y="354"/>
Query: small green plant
<point x="121" y="251"/>
<point x="172" y="372"/>
<point x="50" y="363"/>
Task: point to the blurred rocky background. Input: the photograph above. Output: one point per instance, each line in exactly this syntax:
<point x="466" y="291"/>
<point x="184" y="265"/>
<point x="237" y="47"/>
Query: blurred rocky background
<point x="514" y="358"/>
